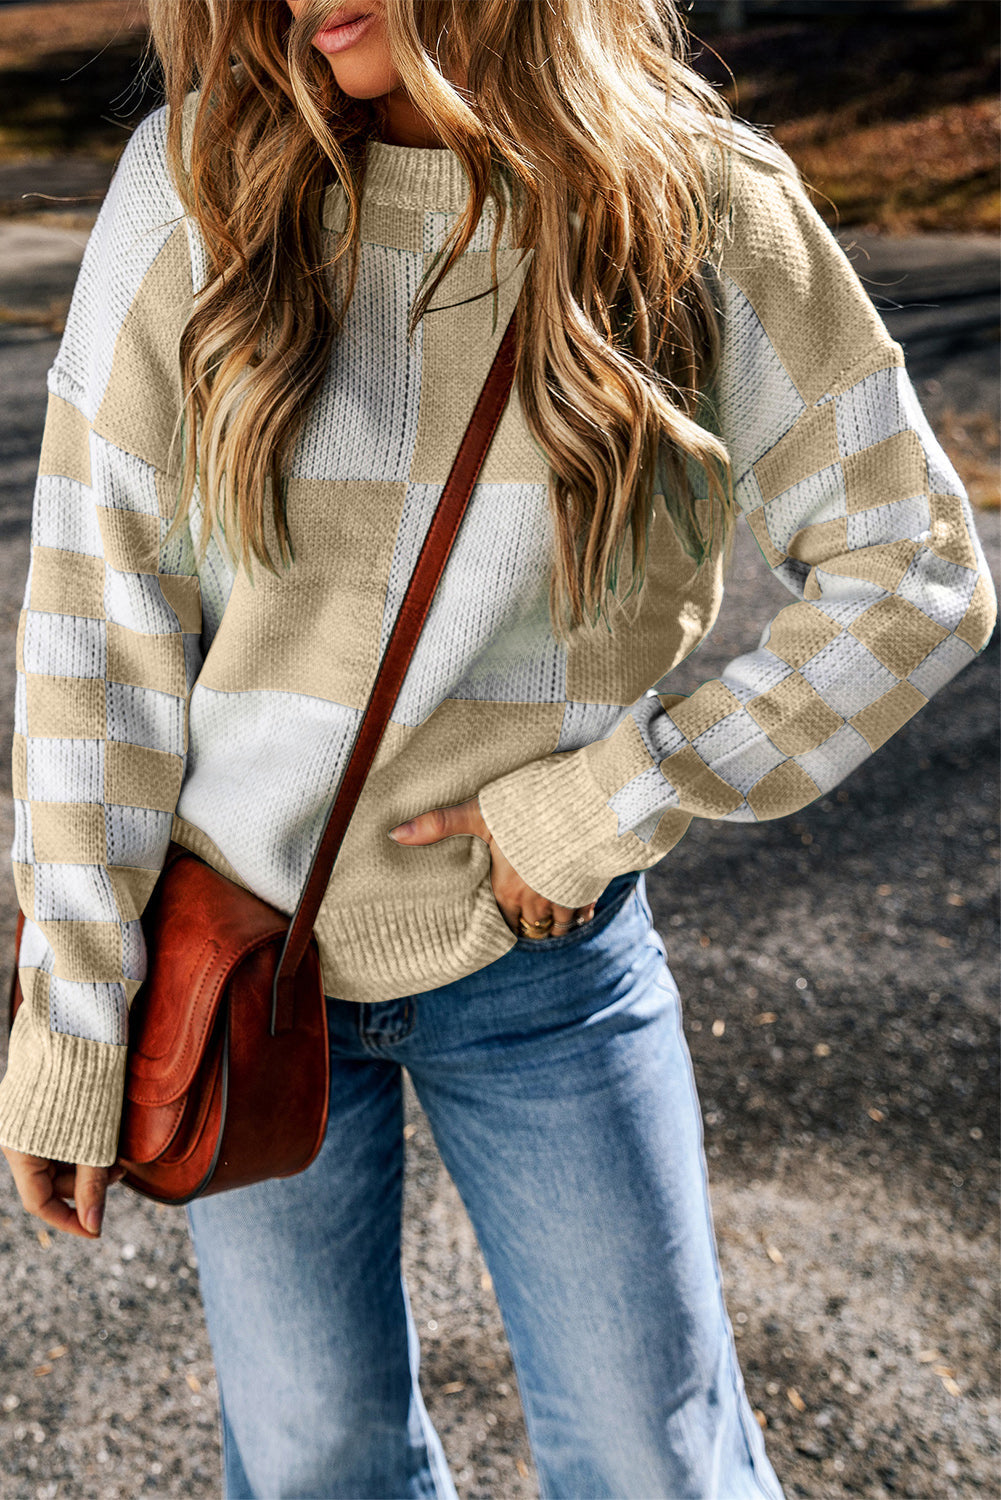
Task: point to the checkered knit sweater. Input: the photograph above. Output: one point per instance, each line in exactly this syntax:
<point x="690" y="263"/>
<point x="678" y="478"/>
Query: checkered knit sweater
<point x="158" y="700"/>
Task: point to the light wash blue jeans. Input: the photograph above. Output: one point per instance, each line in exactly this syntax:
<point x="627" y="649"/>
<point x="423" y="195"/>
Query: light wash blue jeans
<point x="559" y="1087"/>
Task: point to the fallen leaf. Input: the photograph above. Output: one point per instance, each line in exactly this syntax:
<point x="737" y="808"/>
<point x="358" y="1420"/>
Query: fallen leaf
<point x="795" y="1399"/>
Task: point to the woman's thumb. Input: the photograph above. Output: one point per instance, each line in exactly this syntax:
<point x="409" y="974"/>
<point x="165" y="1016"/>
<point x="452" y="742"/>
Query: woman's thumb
<point x="441" y="823"/>
<point x="91" y="1188"/>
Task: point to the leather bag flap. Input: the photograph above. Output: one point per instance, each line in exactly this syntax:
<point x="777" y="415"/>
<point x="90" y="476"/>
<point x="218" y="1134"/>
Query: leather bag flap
<point x="199" y="928"/>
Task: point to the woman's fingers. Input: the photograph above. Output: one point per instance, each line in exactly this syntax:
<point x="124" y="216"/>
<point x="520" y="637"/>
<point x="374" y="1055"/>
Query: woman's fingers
<point x="64" y="1180"/>
<point x="536" y="909"/>
<point x="33" y="1176"/>
<point x="43" y="1184"/>
<point x="442" y="823"/>
<point x="518" y="903"/>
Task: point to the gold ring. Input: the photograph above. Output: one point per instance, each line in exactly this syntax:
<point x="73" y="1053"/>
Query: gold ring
<point x="535" y="929"/>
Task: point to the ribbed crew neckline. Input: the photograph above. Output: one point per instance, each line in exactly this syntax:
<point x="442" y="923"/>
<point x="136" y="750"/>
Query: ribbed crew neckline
<point x="429" y="177"/>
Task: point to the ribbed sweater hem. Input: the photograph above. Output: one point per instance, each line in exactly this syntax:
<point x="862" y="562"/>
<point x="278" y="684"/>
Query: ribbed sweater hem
<point x="383" y="950"/>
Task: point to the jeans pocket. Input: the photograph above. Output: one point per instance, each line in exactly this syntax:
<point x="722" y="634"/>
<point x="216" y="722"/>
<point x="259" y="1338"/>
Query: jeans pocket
<point x="612" y="899"/>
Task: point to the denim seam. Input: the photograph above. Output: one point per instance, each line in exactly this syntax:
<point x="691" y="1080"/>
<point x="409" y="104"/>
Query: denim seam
<point x="227" y="1440"/>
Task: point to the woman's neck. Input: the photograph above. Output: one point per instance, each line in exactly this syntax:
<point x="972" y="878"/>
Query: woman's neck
<point x="400" y="123"/>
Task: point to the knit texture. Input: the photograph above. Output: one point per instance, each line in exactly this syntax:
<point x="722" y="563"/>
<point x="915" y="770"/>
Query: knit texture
<point x="157" y="699"/>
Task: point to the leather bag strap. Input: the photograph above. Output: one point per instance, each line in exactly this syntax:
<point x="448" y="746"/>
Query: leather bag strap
<point x="395" y="661"/>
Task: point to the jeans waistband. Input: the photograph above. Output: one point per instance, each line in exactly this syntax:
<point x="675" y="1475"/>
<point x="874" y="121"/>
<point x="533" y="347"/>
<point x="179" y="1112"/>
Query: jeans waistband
<point x="615" y="887"/>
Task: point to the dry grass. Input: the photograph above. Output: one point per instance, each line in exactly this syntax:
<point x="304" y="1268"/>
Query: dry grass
<point x="950" y="181"/>
<point x="894" y="119"/>
<point x="29" y="33"/>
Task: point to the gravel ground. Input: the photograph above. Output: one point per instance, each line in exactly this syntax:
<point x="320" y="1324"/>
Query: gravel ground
<point x="843" y="1033"/>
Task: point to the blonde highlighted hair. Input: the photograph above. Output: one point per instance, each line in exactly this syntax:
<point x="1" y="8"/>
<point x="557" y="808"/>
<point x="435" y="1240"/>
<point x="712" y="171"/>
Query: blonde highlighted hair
<point x="614" y="161"/>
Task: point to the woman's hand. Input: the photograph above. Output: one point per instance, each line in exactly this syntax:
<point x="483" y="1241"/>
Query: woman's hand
<point x="517" y="901"/>
<point x="43" y="1184"/>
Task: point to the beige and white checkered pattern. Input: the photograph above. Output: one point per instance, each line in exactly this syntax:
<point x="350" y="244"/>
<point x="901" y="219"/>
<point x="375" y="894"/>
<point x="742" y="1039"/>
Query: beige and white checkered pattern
<point x="157" y="699"/>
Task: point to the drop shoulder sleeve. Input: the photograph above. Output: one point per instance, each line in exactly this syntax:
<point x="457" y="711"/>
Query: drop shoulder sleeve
<point x="108" y="647"/>
<point x="855" y="507"/>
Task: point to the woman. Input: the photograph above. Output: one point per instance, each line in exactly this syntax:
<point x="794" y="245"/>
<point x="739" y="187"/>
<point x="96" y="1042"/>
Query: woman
<point x="309" y="261"/>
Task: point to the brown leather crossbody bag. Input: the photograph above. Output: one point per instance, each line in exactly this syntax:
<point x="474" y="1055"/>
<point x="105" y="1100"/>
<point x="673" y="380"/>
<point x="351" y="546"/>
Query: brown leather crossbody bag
<point x="228" y="1067"/>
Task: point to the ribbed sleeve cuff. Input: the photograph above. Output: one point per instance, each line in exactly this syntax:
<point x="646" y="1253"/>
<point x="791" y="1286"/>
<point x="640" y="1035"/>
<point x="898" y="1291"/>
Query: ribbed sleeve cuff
<point x="551" y="819"/>
<point x="61" y="1096"/>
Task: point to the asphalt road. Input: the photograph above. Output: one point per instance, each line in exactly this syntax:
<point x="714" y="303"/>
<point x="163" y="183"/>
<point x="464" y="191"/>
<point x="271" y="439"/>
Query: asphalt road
<point x="851" y="1138"/>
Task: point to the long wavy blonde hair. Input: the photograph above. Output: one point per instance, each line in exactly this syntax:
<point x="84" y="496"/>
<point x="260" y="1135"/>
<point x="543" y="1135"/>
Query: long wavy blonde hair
<point x="606" y="161"/>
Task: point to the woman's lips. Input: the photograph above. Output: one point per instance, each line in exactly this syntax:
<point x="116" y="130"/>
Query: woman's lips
<point x="345" y="35"/>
